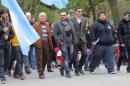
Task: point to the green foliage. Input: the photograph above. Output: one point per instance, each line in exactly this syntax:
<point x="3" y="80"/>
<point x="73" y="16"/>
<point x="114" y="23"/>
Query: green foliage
<point x="35" y="7"/>
<point x="128" y="1"/>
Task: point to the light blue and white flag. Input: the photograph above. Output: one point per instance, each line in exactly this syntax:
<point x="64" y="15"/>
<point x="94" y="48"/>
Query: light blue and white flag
<point x="57" y="3"/>
<point x="47" y="2"/>
<point x="24" y="31"/>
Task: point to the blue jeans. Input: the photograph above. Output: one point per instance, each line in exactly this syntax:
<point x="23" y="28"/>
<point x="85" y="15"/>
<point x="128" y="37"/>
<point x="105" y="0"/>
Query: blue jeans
<point x="16" y="54"/>
<point x="33" y="59"/>
<point x="67" y="52"/>
<point x="26" y="61"/>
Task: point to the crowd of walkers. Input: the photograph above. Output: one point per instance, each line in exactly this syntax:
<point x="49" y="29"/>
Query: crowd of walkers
<point x="70" y="43"/>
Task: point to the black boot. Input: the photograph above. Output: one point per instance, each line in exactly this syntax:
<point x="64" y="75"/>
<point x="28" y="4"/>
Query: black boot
<point x="68" y="75"/>
<point x="61" y="71"/>
<point x="77" y="73"/>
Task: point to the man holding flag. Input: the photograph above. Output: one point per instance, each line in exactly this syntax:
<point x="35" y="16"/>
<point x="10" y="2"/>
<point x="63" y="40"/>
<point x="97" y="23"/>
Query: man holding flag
<point x="26" y="35"/>
<point x="3" y="38"/>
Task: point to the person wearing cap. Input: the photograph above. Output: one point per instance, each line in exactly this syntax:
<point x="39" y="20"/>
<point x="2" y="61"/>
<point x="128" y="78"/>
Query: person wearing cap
<point x="43" y="44"/>
<point x="123" y="32"/>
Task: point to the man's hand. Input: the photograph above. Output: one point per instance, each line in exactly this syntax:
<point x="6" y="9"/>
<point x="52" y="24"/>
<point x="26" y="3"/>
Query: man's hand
<point x="5" y="37"/>
<point x="62" y="43"/>
<point x="94" y="43"/>
<point x="5" y="29"/>
<point x="122" y="45"/>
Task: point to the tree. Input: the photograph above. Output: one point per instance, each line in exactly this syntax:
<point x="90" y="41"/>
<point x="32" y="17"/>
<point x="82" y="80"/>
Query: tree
<point x="92" y="6"/>
<point x="113" y="4"/>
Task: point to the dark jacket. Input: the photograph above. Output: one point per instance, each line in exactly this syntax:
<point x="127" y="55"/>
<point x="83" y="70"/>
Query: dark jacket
<point x="80" y="29"/>
<point x="10" y="34"/>
<point x="59" y="33"/>
<point x="88" y="38"/>
<point x="123" y="31"/>
<point x="103" y="31"/>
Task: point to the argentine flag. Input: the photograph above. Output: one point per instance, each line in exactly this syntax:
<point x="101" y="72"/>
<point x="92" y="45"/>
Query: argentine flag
<point x="57" y="3"/>
<point x="24" y="31"/>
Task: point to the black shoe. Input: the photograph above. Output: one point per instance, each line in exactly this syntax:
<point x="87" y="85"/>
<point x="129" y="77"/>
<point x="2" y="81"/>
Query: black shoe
<point x="3" y="81"/>
<point x="71" y="68"/>
<point x="91" y="71"/>
<point x="68" y="75"/>
<point x="6" y="72"/>
<point x="81" y="71"/>
<point x="50" y="70"/>
<point x="61" y="72"/>
<point x="77" y="73"/>
<point x="17" y="76"/>
<point x="128" y="71"/>
<point x="86" y="68"/>
<point x="112" y="72"/>
<point x="42" y="76"/>
<point x="22" y="77"/>
<point x="27" y="70"/>
<point x="118" y="69"/>
<point x="9" y="73"/>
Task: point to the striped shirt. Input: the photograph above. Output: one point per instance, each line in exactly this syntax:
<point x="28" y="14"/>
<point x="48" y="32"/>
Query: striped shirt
<point x="44" y="33"/>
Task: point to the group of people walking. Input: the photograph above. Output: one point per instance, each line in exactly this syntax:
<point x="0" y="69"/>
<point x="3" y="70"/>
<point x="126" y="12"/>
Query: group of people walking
<point x="70" y="35"/>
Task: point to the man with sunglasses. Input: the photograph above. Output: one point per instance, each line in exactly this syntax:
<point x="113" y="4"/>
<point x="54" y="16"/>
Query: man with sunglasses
<point x="80" y="43"/>
<point x="64" y="35"/>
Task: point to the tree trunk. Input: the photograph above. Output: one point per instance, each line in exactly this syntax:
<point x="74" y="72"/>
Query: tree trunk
<point x="91" y="3"/>
<point x="114" y="11"/>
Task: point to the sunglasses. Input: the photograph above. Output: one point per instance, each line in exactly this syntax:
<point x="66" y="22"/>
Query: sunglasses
<point x="62" y="15"/>
<point x="79" y="11"/>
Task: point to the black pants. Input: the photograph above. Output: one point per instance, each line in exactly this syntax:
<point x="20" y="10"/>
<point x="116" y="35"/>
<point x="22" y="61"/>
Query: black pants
<point x="80" y="46"/>
<point x="103" y="52"/>
<point x="16" y="54"/>
<point x="30" y="54"/>
<point x="123" y="56"/>
<point x="128" y="52"/>
<point x="7" y="56"/>
<point x="49" y="61"/>
<point x="2" y="63"/>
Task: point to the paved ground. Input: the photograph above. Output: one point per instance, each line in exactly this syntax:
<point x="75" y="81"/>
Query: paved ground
<point x="99" y="78"/>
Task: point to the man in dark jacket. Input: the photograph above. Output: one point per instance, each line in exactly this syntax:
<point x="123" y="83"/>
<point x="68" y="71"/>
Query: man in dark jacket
<point x="7" y="48"/>
<point x="5" y="28"/>
<point x="80" y="42"/>
<point x="123" y="32"/>
<point x="64" y="35"/>
<point x="103" y="40"/>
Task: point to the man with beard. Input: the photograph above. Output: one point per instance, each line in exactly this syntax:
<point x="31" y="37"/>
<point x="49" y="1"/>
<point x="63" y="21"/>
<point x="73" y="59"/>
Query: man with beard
<point x="103" y="40"/>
